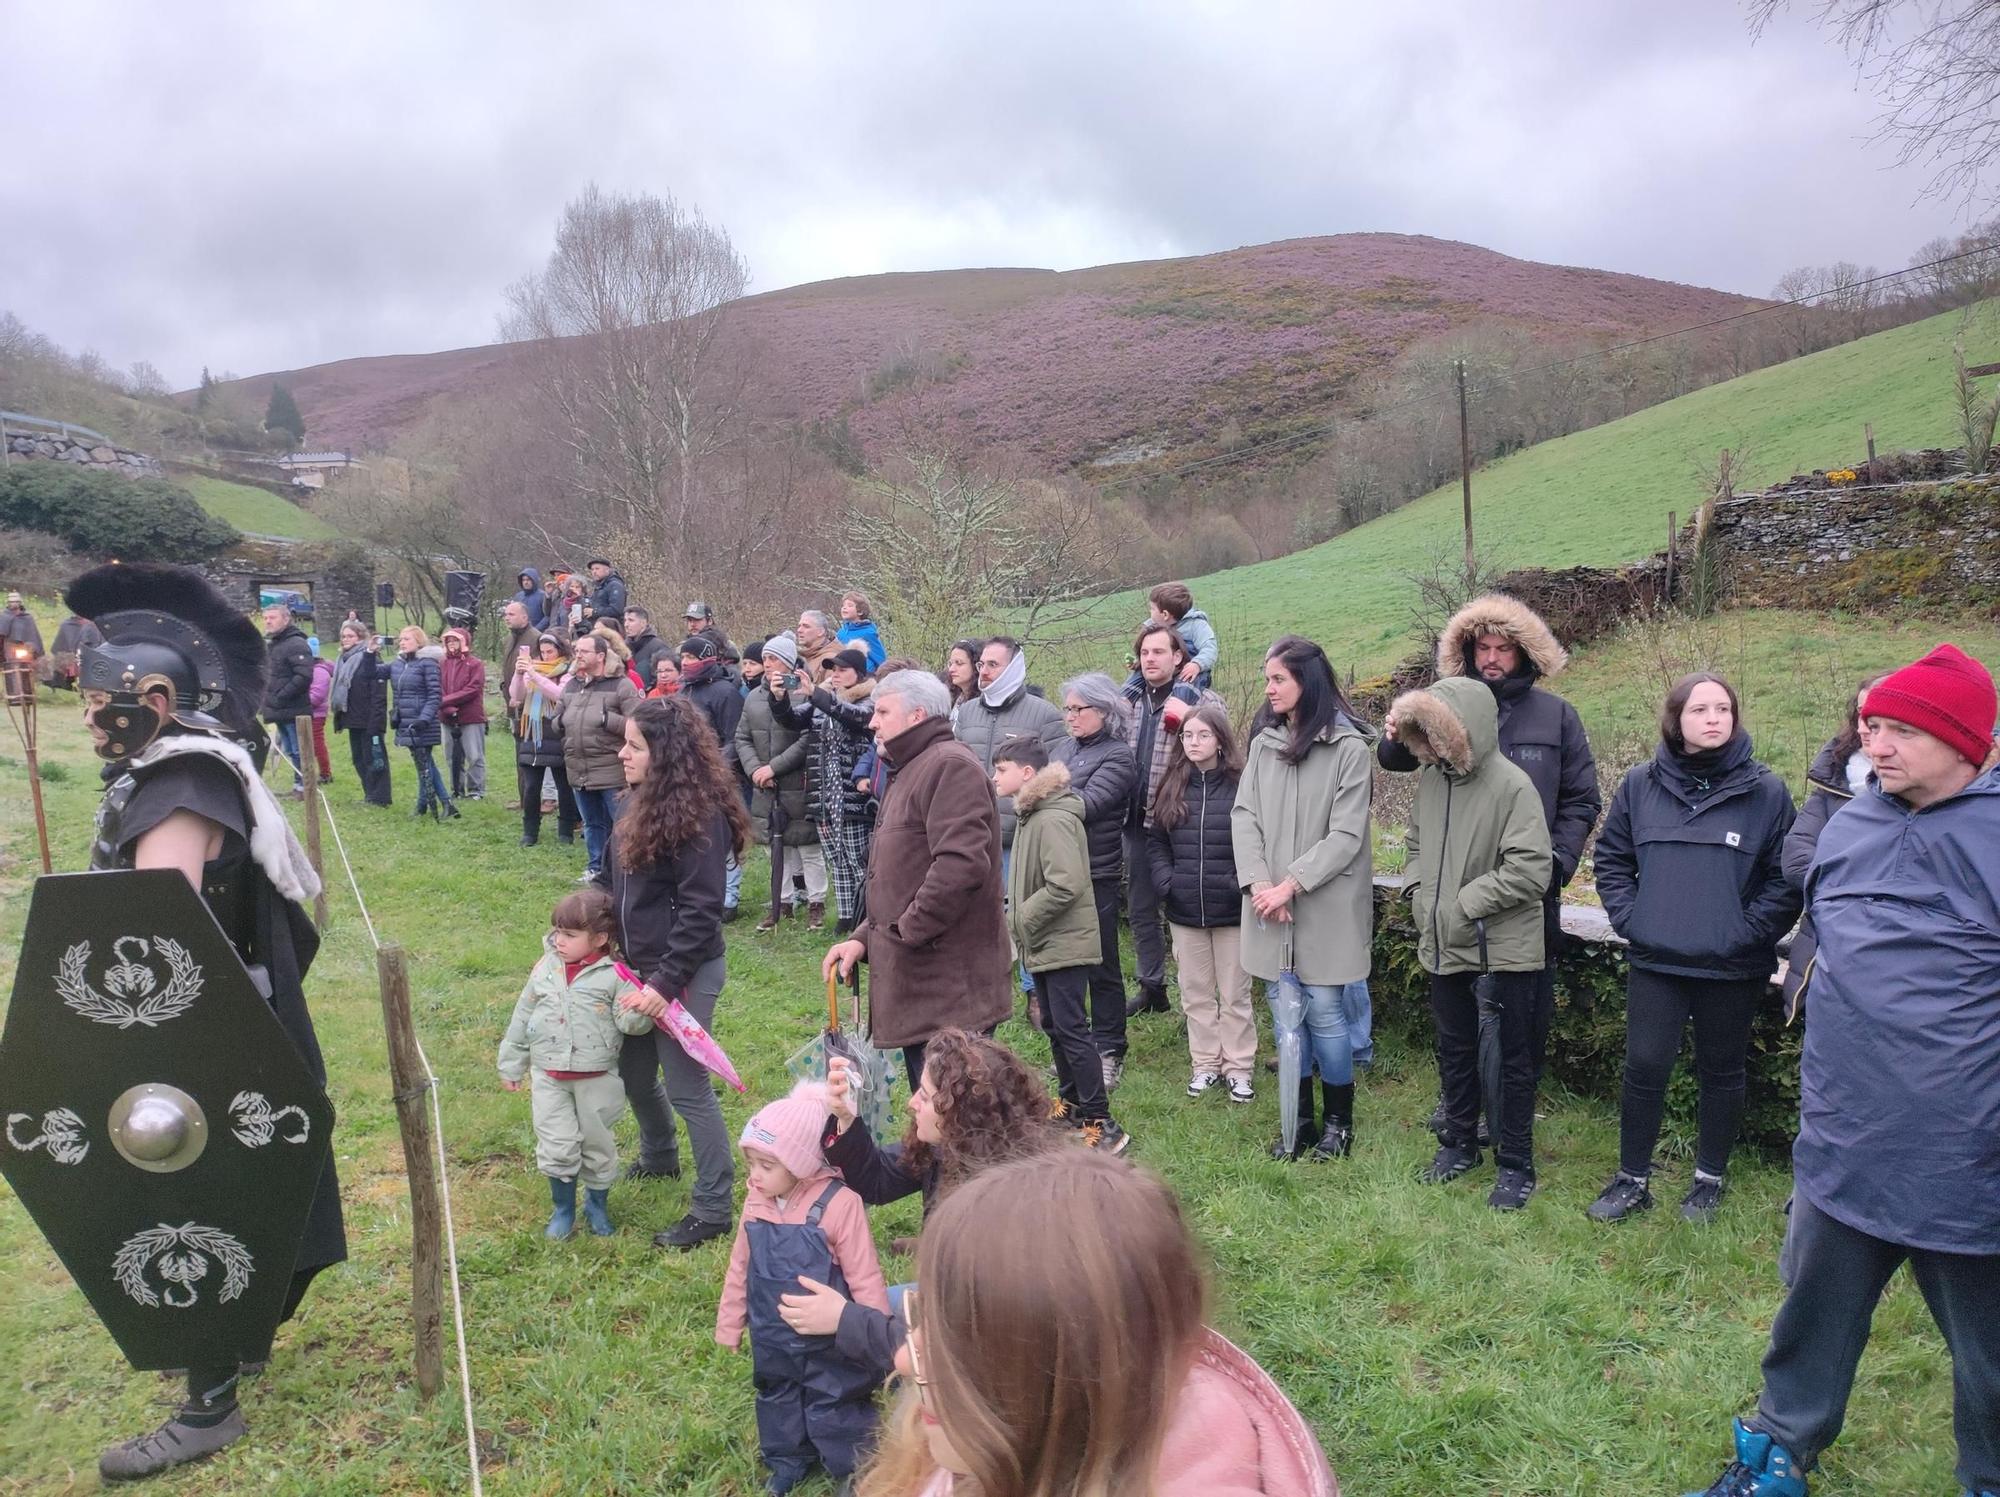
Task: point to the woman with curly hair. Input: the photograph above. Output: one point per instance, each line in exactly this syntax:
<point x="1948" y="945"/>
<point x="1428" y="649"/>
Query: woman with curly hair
<point x="668" y="856"/>
<point x="977" y="1104"/>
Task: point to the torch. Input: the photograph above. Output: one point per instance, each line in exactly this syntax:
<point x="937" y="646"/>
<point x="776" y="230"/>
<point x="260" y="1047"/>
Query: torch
<point x="20" y="676"/>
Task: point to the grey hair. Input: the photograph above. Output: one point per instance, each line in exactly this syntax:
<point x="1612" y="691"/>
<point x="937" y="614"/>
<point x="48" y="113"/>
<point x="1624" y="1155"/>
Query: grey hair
<point x="920" y="690"/>
<point x="819" y="618"/>
<point x="1095" y="689"/>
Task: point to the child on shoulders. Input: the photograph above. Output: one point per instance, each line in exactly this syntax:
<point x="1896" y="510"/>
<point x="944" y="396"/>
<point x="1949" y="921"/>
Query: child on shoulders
<point x="566" y="1031"/>
<point x="800" y="1222"/>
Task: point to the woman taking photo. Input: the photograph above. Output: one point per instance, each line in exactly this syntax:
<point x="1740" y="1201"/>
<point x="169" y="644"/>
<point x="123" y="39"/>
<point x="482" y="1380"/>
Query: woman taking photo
<point x="1690" y="867"/>
<point x="666" y="865"/>
<point x="1300" y="834"/>
<point x="834" y="718"/>
<point x="358" y="701"/>
<point x="419" y="694"/>
<point x="1080" y="1373"/>
<point x="538" y="738"/>
<point x="1192" y="848"/>
<point x="1103" y="773"/>
<point x="594" y="700"/>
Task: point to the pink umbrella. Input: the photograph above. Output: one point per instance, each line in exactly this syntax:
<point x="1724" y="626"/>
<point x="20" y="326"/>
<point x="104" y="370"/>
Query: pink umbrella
<point x="687" y="1029"/>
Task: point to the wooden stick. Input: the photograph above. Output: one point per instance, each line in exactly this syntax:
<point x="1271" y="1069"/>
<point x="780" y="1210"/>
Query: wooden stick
<point x="1673" y="535"/>
<point x="1868" y="431"/>
<point x="411" y="1080"/>
<point x="309" y="767"/>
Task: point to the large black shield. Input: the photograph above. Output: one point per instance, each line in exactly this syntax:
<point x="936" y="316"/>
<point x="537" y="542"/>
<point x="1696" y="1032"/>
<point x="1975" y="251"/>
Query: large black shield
<point x="159" y="1124"/>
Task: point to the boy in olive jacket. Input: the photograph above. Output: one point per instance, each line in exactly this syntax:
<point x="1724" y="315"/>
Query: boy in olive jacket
<point x="1052" y="916"/>
<point x="1479" y="863"/>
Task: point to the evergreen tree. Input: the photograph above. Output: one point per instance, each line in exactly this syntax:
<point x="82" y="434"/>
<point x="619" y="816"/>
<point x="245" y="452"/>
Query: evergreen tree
<point x="282" y="414"/>
<point x="206" y="392"/>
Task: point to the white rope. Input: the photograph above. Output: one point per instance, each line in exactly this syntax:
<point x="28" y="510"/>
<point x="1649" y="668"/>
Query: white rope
<point x="433" y="1085"/>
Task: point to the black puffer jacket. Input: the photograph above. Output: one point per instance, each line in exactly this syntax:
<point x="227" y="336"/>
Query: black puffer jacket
<point x="288" y="692"/>
<point x="670" y="913"/>
<point x="1827" y="790"/>
<point x="1690" y="864"/>
<point x="718" y="700"/>
<point x="836" y="729"/>
<point x="419" y="693"/>
<point x="1103" y="772"/>
<point x="1195" y="862"/>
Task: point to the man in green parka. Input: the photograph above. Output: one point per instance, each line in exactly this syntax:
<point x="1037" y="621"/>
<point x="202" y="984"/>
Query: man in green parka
<point x="1479" y="862"/>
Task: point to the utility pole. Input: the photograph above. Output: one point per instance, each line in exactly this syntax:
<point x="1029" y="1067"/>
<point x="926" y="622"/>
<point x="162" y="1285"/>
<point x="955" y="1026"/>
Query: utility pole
<point x="1465" y="471"/>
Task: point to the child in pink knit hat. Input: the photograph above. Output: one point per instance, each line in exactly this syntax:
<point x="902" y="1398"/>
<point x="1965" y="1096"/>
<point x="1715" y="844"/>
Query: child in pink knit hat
<point x="800" y="1222"/>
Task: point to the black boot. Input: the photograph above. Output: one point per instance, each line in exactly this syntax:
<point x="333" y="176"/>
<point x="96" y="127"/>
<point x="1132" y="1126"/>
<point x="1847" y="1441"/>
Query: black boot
<point x="1336" y="1139"/>
<point x="1151" y="999"/>
<point x="1309" y="1134"/>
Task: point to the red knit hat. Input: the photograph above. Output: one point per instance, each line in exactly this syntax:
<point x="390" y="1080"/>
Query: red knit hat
<point x="1947" y="693"/>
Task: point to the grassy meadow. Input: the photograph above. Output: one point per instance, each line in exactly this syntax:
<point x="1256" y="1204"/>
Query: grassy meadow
<point x="250" y="508"/>
<point x="1434" y="1345"/>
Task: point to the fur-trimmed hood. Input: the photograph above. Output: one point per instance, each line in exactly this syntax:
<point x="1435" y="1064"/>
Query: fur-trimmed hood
<point x="1454" y="724"/>
<point x="613" y="641"/>
<point x="1047" y="784"/>
<point x="1496" y="613"/>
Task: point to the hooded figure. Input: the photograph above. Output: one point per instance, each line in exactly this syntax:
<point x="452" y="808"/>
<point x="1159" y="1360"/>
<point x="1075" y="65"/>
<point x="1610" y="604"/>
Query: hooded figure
<point x="1479" y="864"/>
<point x="533" y="597"/>
<point x="177" y="745"/>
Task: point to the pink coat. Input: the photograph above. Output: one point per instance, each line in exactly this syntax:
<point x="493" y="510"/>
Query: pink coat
<point x="1233" y="1434"/>
<point x="846" y="1226"/>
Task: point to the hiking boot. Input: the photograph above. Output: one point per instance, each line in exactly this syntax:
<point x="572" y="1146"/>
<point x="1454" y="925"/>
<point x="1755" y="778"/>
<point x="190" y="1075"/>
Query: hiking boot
<point x="1336" y="1141"/>
<point x="1114" y="1071"/>
<point x="596" y="1211"/>
<point x="730" y="912"/>
<point x="1512" y="1189"/>
<point x="771" y="921"/>
<point x="562" y="1221"/>
<point x="1202" y="1082"/>
<point x="1240" y="1089"/>
<point x="1105" y="1135"/>
<point x="1308" y="1136"/>
<point x="174" y="1443"/>
<point x="1450" y="1161"/>
<point x="1762" y="1468"/>
<point x="1625" y="1196"/>
<point x="1703" y="1198"/>
<point x="816" y="915"/>
<point x="1151" y="999"/>
<point x="638" y="1169"/>
<point x="689" y="1233"/>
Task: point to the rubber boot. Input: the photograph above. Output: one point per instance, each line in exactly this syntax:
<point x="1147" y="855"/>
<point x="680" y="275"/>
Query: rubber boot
<point x="1336" y="1139"/>
<point x="595" y="1212"/>
<point x="562" y="1221"/>
<point x="1762" y="1468"/>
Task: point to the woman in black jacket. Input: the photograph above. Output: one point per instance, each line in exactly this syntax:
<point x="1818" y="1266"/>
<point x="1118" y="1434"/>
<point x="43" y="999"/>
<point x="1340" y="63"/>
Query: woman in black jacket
<point x="358" y="703"/>
<point x="419" y="698"/>
<point x="1103" y="772"/>
<point x="681" y="822"/>
<point x="1193" y="861"/>
<point x="1690" y="869"/>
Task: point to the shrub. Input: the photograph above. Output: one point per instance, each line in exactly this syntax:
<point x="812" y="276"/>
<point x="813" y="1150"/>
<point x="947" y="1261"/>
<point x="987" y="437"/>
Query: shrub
<point x="35" y="561"/>
<point x="1587" y="1040"/>
<point x="104" y="514"/>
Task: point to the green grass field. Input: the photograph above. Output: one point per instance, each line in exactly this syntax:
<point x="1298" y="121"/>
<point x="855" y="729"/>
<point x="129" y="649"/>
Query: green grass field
<point x="1435" y="1346"/>
<point x="250" y="508"/>
<point x="1595" y="498"/>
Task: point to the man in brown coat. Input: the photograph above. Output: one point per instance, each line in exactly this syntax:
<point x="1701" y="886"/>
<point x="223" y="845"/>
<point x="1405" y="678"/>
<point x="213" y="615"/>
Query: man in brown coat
<point x="934" y="935"/>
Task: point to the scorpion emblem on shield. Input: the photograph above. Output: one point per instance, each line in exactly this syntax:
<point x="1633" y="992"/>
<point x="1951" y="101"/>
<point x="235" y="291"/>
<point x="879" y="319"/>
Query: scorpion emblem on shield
<point x="257" y="1122"/>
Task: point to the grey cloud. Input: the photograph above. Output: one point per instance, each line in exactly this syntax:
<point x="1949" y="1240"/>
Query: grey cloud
<point x="266" y="188"/>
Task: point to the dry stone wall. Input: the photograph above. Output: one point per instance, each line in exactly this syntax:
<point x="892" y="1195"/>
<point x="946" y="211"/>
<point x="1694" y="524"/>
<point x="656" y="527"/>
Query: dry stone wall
<point x="51" y="447"/>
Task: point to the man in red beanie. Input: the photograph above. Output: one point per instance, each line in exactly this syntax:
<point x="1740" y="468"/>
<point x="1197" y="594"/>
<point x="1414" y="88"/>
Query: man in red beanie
<point x="1898" y="1153"/>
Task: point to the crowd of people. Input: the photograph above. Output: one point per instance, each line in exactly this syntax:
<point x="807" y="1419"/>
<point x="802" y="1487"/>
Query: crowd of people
<point x="980" y="840"/>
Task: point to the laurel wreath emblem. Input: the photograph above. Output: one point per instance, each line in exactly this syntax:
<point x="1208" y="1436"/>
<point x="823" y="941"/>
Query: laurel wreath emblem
<point x="181" y="1256"/>
<point x="155" y="1006"/>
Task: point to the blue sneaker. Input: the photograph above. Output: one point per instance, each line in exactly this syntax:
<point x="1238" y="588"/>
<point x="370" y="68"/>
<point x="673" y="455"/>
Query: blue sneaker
<point x="562" y="1221"/>
<point x="1762" y="1468"/>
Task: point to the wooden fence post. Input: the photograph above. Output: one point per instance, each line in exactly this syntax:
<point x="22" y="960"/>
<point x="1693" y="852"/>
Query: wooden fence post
<point x="1868" y="431"/>
<point x="1673" y="537"/>
<point x="309" y="768"/>
<point x="411" y="1081"/>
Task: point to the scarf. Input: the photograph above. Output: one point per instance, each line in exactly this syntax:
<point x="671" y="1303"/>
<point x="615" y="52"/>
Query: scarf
<point x="343" y="676"/>
<point x="1008" y="684"/>
<point x="272" y="844"/>
<point x="1859" y="767"/>
<point x="534" y="711"/>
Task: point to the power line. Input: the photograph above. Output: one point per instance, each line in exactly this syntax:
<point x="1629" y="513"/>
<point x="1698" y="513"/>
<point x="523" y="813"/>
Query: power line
<point x="1320" y="431"/>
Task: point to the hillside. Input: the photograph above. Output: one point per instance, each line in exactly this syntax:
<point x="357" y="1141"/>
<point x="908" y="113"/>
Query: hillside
<point x="253" y="510"/>
<point x="1597" y="497"/>
<point x="1149" y="360"/>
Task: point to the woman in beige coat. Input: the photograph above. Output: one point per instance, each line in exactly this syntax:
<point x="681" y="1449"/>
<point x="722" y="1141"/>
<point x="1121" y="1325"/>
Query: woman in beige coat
<point x="1300" y="827"/>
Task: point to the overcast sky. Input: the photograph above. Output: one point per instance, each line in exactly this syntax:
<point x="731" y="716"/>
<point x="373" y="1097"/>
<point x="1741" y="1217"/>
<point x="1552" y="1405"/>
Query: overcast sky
<point x="264" y="185"/>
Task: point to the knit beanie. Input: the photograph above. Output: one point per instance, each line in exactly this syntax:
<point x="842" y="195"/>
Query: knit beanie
<point x="1947" y="693"/>
<point x="853" y="660"/>
<point x="784" y="647"/>
<point x="789" y="1129"/>
<point x="698" y="647"/>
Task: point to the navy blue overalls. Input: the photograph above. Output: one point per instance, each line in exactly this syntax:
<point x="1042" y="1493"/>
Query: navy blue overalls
<point x="812" y="1402"/>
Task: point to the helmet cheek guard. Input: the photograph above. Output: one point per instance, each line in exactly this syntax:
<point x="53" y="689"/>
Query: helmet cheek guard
<point x="131" y="720"/>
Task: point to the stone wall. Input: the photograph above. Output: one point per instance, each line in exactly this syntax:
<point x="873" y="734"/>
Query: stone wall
<point x="51" y="447"/>
<point x="1885" y="546"/>
<point x="338" y="576"/>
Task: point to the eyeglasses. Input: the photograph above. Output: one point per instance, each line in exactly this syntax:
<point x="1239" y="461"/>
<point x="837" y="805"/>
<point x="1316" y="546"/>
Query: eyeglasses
<point x="1076" y="709"/>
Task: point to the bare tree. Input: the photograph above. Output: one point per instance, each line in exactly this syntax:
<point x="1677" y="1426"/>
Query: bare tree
<point x="1936" y="64"/>
<point x="622" y="332"/>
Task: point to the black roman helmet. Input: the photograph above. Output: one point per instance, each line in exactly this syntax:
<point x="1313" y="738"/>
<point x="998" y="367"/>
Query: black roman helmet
<point x="175" y="652"/>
